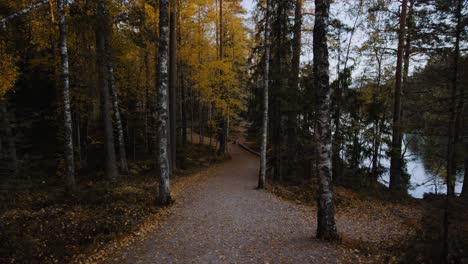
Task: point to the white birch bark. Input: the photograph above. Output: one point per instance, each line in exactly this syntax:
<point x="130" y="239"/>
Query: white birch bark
<point x="65" y="78"/>
<point x="162" y="104"/>
<point x="118" y="118"/>
<point x="326" y="226"/>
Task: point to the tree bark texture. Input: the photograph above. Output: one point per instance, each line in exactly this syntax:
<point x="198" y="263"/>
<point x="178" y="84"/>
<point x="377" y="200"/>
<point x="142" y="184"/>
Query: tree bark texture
<point x="102" y="27"/>
<point x="455" y="102"/>
<point x="266" y="82"/>
<point x="163" y="105"/>
<point x="173" y="86"/>
<point x="397" y="134"/>
<point x="65" y="82"/>
<point x="326" y="226"/>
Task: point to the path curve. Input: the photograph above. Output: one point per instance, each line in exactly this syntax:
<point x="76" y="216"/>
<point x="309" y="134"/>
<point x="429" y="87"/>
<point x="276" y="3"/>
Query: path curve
<point x="224" y="219"/>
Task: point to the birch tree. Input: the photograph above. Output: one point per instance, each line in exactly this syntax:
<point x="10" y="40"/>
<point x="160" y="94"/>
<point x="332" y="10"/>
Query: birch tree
<point x="266" y="79"/>
<point x="163" y="105"/>
<point x="68" y="122"/>
<point x="117" y="116"/>
<point x="172" y="86"/>
<point x="326" y="227"/>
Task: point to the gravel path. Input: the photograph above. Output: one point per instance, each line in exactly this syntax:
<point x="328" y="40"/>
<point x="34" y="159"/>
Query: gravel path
<point x="223" y="219"/>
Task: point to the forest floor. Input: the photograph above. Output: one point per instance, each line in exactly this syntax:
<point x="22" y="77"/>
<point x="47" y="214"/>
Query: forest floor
<point x="39" y="224"/>
<point x="219" y="217"/>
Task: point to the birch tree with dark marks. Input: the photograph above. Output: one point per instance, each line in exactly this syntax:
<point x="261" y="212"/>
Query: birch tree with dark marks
<point x="68" y="122"/>
<point x="163" y="105"/>
<point x="326" y="226"/>
<point x="172" y="87"/>
<point x="117" y="116"/>
<point x="266" y="80"/>
<point x="115" y="101"/>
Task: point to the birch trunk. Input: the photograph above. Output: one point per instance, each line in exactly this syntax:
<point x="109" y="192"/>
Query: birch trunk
<point x="102" y="28"/>
<point x="115" y="103"/>
<point x="23" y="11"/>
<point x="117" y="116"/>
<point x="68" y="123"/>
<point x="266" y="80"/>
<point x="172" y="86"/>
<point x="397" y="134"/>
<point x="162" y="104"/>
<point x="326" y="227"/>
<point x="183" y="87"/>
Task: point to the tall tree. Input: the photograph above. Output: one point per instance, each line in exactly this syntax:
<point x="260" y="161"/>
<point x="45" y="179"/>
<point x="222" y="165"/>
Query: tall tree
<point x="172" y="86"/>
<point x="456" y="105"/>
<point x="163" y="105"/>
<point x="68" y="122"/>
<point x="266" y="81"/>
<point x="294" y="90"/>
<point x="326" y="226"/>
<point x="223" y="129"/>
<point x="115" y="99"/>
<point x="102" y="30"/>
<point x="117" y="115"/>
<point x="465" y="177"/>
<point x="397" y="135"/>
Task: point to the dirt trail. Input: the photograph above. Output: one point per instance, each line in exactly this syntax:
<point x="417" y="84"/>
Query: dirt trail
<point x="223" y="219"/>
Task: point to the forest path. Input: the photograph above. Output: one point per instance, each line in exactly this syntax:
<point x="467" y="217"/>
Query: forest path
<point x="224" y="219"/>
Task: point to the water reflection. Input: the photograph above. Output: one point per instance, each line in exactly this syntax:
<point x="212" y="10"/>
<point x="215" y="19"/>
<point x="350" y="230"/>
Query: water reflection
<point x="422" y="179"/>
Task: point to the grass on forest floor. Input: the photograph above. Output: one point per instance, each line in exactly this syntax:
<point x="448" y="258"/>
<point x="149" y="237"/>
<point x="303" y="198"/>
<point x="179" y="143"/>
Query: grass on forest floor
<point x="43" y="226"/>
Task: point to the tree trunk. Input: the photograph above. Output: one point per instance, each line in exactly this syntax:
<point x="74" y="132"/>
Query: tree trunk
<point x="464" y="192"/>
<point x="115" y="104"/>
<point x="1" y="147"/>
<point x="117" y="116"/>
<point x="183" y="89"/>
<point x="294" y="86"/>
<point x="162" y="105"/>
<point x="22" y="12"/>
<point x="223" y="130"/>
<point x="172" y="86"/>
<point x="78" y="135"/>
<point x="102" y="28"/>
<point x="201" y="121"/>
<point x="336" y="116"/>
<point x="68" y="123"/>
<point x="453" y="125"/>
<point x="266" y="82"/>
<point x="326" y="227"/>
<point x="10" y="138"/>
<point x="147" y="103"/>
<point x="192" y="113"/>
<point x="397" y="134"/>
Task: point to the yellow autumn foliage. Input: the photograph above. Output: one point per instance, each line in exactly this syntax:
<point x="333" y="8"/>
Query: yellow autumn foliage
<point x="9" y="72"/>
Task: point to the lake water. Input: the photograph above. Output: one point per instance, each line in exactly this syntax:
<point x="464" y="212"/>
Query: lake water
<point x="421" y="181"/>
